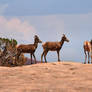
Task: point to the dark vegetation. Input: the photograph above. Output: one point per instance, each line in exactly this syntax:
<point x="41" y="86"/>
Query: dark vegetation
<point x="8" y="53"/>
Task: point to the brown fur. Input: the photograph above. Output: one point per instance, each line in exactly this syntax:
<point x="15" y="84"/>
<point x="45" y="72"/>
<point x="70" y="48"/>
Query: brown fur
<point x="88" y="51"/>
<point x="30" y="48"/>
<point x="53" y="46"/>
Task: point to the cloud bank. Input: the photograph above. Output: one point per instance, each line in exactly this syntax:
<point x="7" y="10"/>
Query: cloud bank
<point x="15" y="28"/>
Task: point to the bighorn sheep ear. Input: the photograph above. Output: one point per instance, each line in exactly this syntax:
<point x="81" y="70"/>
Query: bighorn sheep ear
<point x="63" y="34"/>
<point x="91" y="40"/>
<point x="35" y="36"/>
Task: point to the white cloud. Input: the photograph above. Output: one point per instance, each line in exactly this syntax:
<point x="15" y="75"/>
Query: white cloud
<point x="15" y="28"/>
<point x="49" y="27"/>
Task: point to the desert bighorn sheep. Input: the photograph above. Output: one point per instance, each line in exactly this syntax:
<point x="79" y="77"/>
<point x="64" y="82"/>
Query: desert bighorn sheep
<point x="53" y="46"/>
<point x="88" y="51"/>
<point x="30" y="48"/>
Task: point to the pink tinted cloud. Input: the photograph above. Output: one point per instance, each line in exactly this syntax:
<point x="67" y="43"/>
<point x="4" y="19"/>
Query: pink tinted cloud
<point x="15" y="28"/>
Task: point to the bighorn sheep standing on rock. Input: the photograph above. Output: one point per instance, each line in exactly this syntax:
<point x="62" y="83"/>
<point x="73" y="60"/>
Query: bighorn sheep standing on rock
<point x="53" y="46"/>
<point x="88" y="50"/>
<point x="30" y="48"/>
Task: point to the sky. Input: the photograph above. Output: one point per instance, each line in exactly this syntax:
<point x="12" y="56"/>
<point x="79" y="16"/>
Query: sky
<point x="49" y="19"/>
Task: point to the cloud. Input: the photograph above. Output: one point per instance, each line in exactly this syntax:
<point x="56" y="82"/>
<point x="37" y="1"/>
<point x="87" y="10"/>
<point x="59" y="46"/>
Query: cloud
<point x="15" y="28"/>
<point x="50" y="27"/>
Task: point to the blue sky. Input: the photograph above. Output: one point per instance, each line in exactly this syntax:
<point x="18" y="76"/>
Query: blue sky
<point x="46" y="7"/>
<point x="22" y="19"/>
